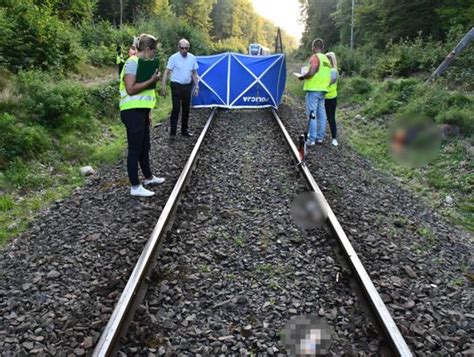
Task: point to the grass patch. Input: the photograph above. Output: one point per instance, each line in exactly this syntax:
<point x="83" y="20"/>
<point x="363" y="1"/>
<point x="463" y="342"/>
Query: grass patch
<point x="450" y="173"/>
<point x="40" y="162"/>
<point x="240" y="240"/>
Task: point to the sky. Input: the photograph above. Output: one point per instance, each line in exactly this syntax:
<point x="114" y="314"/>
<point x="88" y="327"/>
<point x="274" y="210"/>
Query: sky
<point x="283" y="13"/>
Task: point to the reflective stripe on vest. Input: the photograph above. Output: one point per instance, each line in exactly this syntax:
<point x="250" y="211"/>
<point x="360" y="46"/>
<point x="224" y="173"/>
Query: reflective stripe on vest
<point x="332" y="90"/>
<point x="319" y="82"/>
<point x="144" y="99"/>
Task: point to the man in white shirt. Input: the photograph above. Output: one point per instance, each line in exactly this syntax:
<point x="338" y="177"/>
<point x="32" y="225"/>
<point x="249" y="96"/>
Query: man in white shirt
<point x="183" y="68"/>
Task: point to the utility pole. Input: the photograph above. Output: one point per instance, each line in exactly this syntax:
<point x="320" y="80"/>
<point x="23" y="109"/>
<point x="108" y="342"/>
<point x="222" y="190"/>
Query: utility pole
<point x="121" y="12"/>
<point x="352" y="25"/>
<point x="278" y="42"/>
<point x="468" y="37"/>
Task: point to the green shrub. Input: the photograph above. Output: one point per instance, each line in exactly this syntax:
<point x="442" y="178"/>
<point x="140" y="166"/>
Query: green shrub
<point x="354" y="89"/>
<point x="5" y="78"/>
<point x="6" y="203"/>
<point x="95" y="34"/>
<point x="74" y="149"/>
<point x="232" y="44"/>
<point x="357" y="61"/>
<point x="102" y="55"/>
<point x="391" y="96"/>
<point x="104" y="100"/>
<point x="32" y="37"/>
<point x="25" y="175"/>
<point x="20" y="140"/>
<point x="170" y="30"/>
<point x="459" y="117"/>
<point x="50" y="103"/>
<point x="100" y="41"/>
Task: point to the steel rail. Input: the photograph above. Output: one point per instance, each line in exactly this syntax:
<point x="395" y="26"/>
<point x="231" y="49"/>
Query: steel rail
<point x="132" y="294"/>
<point x="391" y="331"/>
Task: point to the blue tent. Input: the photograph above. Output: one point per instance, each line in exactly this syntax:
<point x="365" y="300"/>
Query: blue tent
<point x="233" y="80"/>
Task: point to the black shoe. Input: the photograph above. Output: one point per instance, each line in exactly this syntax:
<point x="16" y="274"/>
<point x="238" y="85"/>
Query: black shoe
<point x="172" y="137"/>
<point x="187" y="134"/>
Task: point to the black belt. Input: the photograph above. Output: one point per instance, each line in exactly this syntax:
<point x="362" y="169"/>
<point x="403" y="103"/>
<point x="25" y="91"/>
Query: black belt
<point x="181" y="84"/>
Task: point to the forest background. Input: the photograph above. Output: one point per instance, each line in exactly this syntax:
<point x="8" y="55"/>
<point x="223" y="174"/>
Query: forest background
<point x="58" y="83"/>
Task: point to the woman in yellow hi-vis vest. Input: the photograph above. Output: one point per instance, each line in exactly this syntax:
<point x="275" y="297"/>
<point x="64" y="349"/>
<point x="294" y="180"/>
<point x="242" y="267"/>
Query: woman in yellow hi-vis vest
<point x="136" y="102"/>
<point x="316" y="85"/>
<point x="330" y="100"/>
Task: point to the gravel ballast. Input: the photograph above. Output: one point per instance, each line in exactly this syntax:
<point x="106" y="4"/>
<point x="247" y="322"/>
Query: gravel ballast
<point x="238" y="270"/>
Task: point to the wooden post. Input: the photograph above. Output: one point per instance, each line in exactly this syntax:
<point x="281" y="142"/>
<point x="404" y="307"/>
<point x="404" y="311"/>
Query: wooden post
<point x="278" y="42"/>
<point x="452" y="55"/>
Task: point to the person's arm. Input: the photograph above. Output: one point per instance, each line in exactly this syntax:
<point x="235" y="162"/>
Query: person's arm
<point x="133" y="87"/>
<point x="196" y="81"/>
<point x="313" y="69"/>
<point x="333" y="76"/>
<point x="163" y="82"/>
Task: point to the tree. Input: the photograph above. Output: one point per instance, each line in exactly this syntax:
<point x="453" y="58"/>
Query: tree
<point x="72" y="10"/>
<point x="455" y="13"/>
<point x="196" y="12"/>
<point x="319" y="22"/>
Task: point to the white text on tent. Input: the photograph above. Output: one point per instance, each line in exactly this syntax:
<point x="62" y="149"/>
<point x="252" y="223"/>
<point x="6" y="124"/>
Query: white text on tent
<point x="256" y="99"/>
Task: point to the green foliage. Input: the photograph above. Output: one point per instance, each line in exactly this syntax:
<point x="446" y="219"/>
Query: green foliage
<point x="409" y="56"/>
<point x="6" y="203"/>
<point x="456" y="13"/>
<point x="20" y="140"/>
<point x="232" y="44"/>
<point x="75" y="11"/>
<point x="359" y="61"/>
<point x="170" y="30"/>
<point x="459" y="117"/>
<point x="195" y="12"/>
<point x="390" y="96"/>
<point x="23" y="175"/>
<point x="442" y="105"/>
<point x="5" y="78"/>
<point x="102" y="55"/>
<point x="319" y="22"/>
<point x="294" y="86"/>
<point x="49" y="103"/>
<point x="354" y="89"/>
<point x="381" y="21"/>
<point x="32" y="37"/>
<point x="103" y="100"/>
<point x="57" y="112"/>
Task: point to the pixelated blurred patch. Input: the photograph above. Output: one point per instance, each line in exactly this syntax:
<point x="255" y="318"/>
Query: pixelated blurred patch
<point x="414" y="140"/>
<point x="309" y="210"/>
<point x="306" y="335"/>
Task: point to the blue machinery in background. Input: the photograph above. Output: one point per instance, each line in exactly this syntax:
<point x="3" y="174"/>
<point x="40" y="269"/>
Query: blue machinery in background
<point x="232" y="80"/>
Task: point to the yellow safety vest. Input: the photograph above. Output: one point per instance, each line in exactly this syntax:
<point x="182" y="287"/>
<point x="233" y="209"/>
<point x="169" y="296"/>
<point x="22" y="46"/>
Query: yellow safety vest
<point x="119" y="59"/>
<point x="319" y="82"/>
<point x="332" y="90"/>
<point x="144" y="99"/>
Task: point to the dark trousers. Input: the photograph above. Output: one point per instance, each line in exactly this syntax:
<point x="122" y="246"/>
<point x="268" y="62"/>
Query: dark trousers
<point x="181" y="97"/>
<point x="138" y="135"/>
<point x="330" y="105"/>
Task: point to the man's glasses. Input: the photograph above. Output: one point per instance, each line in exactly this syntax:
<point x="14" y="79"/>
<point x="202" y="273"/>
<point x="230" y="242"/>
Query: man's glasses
<point x="184" y="48"/>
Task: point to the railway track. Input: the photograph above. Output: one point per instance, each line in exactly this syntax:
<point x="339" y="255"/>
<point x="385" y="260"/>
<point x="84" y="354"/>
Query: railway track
<point x="134" y="292"/>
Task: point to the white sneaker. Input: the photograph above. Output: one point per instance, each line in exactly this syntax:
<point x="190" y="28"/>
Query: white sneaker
<point x="154" y="180"/>
<point x="141" y="191"/>
<point x="310" y="143"/>
<point x="334" y="142"/>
